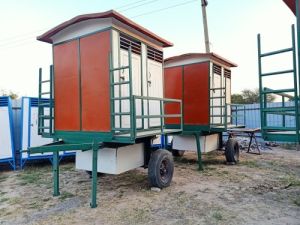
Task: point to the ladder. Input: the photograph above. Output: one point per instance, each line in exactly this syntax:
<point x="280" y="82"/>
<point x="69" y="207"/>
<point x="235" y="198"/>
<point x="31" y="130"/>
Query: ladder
<point x="264" y="91"/>
<point x="119" y="130"/>
<point x="221" y="99"/>
<point x="45" y="101"/>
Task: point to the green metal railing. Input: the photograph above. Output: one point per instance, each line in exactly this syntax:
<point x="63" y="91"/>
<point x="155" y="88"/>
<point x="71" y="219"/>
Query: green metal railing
<point x="45" y="128"/>
<point x="290" y="93"/>
<point x="234" y="116"/>
<point x="133" y="131"/>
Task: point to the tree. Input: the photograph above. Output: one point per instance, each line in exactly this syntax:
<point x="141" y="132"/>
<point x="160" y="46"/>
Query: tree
<point x="10" y="94"/>
<point x="249" y="97"/>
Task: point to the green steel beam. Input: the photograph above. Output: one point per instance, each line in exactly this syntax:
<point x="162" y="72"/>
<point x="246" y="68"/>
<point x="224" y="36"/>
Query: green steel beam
<point x="197" y="136"/>
<point x="60" y="147"/>
<point x="55" y="166"/>
<point x="95" y="148"/>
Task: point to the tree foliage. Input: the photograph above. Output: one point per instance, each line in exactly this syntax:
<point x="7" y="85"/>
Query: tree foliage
<point x="248" y="96"/>
<point x="9" y="93"/>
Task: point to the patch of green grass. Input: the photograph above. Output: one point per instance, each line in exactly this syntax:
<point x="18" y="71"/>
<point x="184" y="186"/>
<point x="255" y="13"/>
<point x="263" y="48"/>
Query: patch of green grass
<point x="217" y="215"/>
<point x="3" y="178"/>
<point x="135" y="216"/>
<point x="64" y="195"/>
<point x="35" y="205"/>
<point x="290" y="180"/>
<point x="3" y="200"/>
<point x="14" y="201"/>
<point x="289" y="146"/>
<point x="250" y="163"/>
<point x="297" y="201"/>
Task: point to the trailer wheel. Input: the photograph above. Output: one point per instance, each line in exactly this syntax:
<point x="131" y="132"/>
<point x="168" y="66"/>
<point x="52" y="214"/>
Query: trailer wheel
<point x="232" y="151"/>
<point x="160" y="168"/>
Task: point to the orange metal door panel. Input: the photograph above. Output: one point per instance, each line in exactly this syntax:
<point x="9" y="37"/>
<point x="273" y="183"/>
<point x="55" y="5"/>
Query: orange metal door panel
<point x="173" y="89"/>
<point x="66" y="87"/>
<point x="196" y="94"/>
<point x="95" y="89"/>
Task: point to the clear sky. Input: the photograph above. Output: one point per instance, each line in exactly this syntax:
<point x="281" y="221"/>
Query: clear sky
<point x="233" y="26"/>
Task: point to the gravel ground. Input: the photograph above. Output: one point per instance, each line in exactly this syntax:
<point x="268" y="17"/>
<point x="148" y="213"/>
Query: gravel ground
<point x="261" y="189"/>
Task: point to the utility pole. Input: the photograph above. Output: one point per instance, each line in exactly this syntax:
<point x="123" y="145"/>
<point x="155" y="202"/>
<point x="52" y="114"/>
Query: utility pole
<point x="204" y="3"/>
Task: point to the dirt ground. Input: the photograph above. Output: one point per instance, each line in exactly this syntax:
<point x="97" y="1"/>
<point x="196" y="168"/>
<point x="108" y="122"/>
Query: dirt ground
<point x="261" y="189"/>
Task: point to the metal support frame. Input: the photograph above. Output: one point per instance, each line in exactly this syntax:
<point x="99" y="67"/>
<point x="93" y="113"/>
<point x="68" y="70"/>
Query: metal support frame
<point x="94" y="175"/>
<point x="267" y="130"/>
<point x="200" y="164"/>
<point x="55" y="166"/>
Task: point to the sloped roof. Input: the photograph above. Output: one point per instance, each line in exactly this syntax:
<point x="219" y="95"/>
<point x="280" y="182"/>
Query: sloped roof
<point x="291" y="4"/>
<point x="46" y="37"/>
<point x="212" y="56"/>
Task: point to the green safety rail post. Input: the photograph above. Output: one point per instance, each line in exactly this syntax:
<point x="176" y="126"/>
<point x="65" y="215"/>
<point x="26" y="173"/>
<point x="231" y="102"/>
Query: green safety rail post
<point x="55" y="167"/>
<point x="199" y="153"/>
<point x="95" y="148"/>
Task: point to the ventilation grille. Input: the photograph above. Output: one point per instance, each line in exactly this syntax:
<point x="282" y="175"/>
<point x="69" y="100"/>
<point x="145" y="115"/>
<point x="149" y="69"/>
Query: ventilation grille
<point x="34" y="102"/>
<point x="217" y="69"/>
<point x="227" y="73"/>
<point x="126" y="42"/>
<point x="4" y="101"/>
<point x="154" y="54"/>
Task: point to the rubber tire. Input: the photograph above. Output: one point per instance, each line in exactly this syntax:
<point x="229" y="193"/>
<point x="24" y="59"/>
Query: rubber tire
<point x="154" y="172"/>
<point x="177" y="153"/>
<point x="232" y="151"/>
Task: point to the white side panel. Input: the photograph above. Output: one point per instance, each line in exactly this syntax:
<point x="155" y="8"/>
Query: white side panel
<point x="113" y="160"/>
<point x="188" y="143"/>
<point x="145" y="83"/>
<point x="5" y="134"/>
<point x="136" y="86"/>
<point x="30" y="137"/>
<point x="35" y="139"/>
<point x="155" y="89"/>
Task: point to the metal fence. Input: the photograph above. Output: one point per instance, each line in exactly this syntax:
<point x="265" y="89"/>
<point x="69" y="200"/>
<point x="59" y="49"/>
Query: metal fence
<point x="252" y="116"/>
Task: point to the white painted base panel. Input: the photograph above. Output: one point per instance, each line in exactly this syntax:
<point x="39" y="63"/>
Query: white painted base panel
<point x="112" y="160"/>
<point x="188" y="143"/>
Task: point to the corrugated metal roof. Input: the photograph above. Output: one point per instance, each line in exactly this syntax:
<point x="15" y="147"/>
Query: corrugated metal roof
<point x="46" y="37"/>
<point x="212" y="56"/>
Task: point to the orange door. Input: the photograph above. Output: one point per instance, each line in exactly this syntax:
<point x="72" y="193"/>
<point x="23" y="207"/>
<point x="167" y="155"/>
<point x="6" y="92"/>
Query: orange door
<point x="95" y="89"/>
<point x="66" y="84"/>
<point x="173" y="89"/>
<point x="196" y="94"/>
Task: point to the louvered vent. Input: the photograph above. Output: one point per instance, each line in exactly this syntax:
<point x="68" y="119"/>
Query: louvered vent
<point x="155" y="54"/>
<point x="126" y="41"/>
<point x="217" y="69"/>
<point x="227" y="73"/>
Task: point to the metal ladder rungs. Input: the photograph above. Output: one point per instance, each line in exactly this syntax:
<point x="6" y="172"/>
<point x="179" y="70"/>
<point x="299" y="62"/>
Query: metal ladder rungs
<point x="119" y="68"/>
<point x="45" y="93"/>
<point x="121" y="114"/>
<point x="221" y="88"/>
<point x="121" y="129"/>
<point x="45" y="81"/>
<point x="277" y="73"/>
<point x="120" y="98"/>
<point x="278" y="91"/>
<point x="120" y="83"/>
<point x="43" y="104"/>
<point x="46" y="117"/>
<point x="42" y="128"/>
<point x="276" y="52"/>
